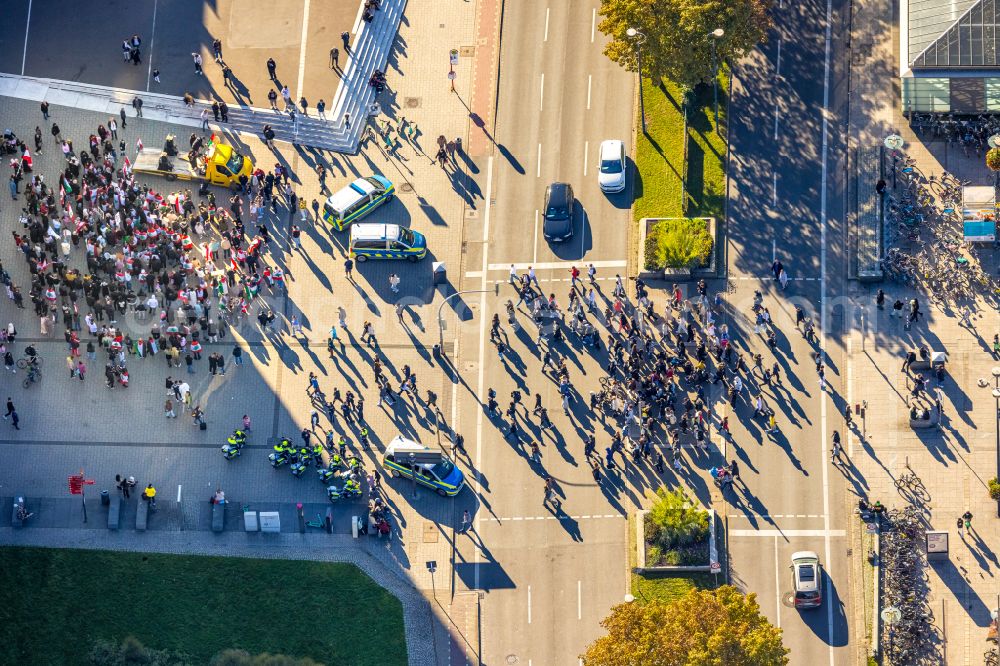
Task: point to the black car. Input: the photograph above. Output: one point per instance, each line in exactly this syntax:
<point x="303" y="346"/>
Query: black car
<point x="558" y="212"/>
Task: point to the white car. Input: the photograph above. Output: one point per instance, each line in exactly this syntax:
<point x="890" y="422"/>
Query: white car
<point x="807" y="579"/>
<point x="611" y="174"/>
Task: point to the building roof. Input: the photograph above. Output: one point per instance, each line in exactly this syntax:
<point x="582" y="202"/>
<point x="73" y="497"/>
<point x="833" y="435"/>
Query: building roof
<point x="952" y="34"/>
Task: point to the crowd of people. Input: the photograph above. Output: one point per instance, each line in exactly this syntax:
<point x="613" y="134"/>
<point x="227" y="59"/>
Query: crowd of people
<point x="658" y="370"/>
<point x="99" y="245"/>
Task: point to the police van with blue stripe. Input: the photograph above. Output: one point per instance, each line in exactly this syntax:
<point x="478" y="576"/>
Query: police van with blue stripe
<point x="386" y="241"/>
<point x="406" y="458"/>
<point x="357" y="200"/>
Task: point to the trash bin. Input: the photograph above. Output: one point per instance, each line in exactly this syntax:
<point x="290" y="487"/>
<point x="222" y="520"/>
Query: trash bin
<point x="105" y="498"/>
<point x="439" y="274"/>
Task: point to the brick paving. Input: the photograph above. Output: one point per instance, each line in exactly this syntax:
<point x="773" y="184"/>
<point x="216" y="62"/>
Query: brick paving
<point x="67" y="425"/>
<point x="956" y="461"/>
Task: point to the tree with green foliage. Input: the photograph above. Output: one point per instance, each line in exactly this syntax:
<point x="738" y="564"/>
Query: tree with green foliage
<point x="721" y="627"/>
<point x="676" y="34"/>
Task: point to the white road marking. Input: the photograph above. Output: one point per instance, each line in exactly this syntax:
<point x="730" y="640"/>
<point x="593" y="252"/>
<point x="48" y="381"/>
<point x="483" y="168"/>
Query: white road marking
<point x="593" y="25"/>
<point x="774" y="250"/>
<point x="27" y="29"/>
<point x="555" y="265"/>
<point x="302" y="48"/>
<point x="589" y="79"/>
<point x="774" y="190"/>
<point x="579" y="600"/>
<point x="482" y="355"/>
<point x="777" y="69"/>
<point x="538" y="168"/>
<point x="546" y="25"/>
<point x="595" y="516"/>
<point x="529" y="604"/>
<point x="534" y="246"/>
<point x="756" y="516"/>
<point x="472" y="275"/>
<point x="178" y="493"/>
<point x="541" y="92"/>
<point x="788" y="533"/>
<point x="152" y="39"/>
<point x="583" y="232"/>
<point x="823" y="322"/>
<point x="765" y="278"/>
<point x="586" y="152"/>
<point x="775" y="121"/>
<point x="777" y="587"/>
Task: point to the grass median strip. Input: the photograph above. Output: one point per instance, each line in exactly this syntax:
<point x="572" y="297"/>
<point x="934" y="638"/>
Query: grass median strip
<point x="660" y="186"/>
<point x="57" y="603"/>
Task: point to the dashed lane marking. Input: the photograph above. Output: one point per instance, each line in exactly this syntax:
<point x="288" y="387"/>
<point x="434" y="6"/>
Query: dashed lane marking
<point x="560" y="517"/>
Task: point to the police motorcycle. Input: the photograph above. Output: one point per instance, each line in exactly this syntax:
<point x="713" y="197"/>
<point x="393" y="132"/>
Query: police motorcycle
<point x="350" y="490"/>
<point x="234" y="445"/>
<point x="332" y="471"/>
<point x="282" y="454"/>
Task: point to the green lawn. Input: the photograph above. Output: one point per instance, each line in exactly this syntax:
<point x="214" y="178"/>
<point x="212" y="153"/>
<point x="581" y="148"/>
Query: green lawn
<point x="54" y="604"/>
<point x="660" y="153"/>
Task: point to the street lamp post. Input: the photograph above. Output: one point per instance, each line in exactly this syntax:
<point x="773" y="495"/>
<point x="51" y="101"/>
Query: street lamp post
<point x="716" y="35"/>
<point x="640" y="39"/>
<point x="894" y="142"/>
<point x="996" y="396"/>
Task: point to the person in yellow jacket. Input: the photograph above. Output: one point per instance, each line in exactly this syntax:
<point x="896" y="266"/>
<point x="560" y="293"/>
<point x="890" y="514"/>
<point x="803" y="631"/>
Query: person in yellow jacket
<point x="303" y="210"/>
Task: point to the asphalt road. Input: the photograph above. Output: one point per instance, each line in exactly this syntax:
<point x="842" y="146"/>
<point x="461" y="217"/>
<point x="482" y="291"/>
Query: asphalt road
<point x="549" y="575"/>
<point x="786" y="202"/>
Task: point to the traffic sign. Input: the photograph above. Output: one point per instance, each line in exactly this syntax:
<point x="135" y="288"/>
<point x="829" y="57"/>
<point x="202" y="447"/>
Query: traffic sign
<point x="715" y="567"/>
<point x="77" y="482"/>
<point x="453" y="57"/>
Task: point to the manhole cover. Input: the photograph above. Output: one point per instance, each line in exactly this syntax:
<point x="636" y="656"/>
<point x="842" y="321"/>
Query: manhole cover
<point x="512" y="659"/>
<point x="406" y="187"/>
<point x="411" y="102"/>
<point x="467" y="51"/>
<point x="472" y="213"/>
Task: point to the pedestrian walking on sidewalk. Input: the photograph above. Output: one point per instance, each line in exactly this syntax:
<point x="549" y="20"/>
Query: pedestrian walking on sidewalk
<point x="335" y="58"/>
<point x="996" y="346"/>
<point x="45" y="109"/>
<point x="271" y="67"/>
<point x="197" y="63"/>
<point x="121" y="114"/>
<point x="966" y="317"/>
<point x="345" y="37"/>
<point x="215" y="111"/>
<point x="10" y="409"/>
<point x="966" y="521"/>
<point x="156" y="75"/>
<point x="137" y="105"/>
<point x="14" y="420"/>
<point x="204" y="119"/>
<point x="880" y="300"/>
<point x="394" y="283"/>
<point x="466" y="522"/>
<point x="321" y="112"/>
<point x="217" y="49"/>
